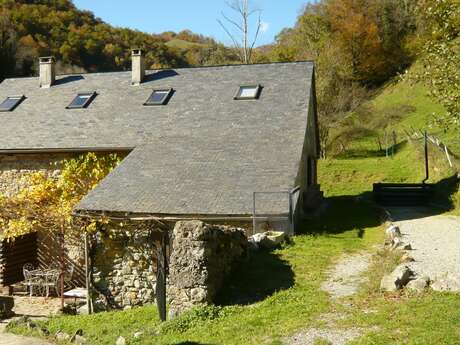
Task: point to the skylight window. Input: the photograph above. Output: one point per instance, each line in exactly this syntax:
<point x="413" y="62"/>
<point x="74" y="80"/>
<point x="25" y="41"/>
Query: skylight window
<point x="82" y="100"/>
<point x="159" y="97"/>
<point x="11" y="102"/>
<point x="249" y="92"/>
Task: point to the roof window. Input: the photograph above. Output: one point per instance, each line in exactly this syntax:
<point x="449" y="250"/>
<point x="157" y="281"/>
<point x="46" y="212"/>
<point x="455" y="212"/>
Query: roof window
<point x="159" y="97"/>
<point x="82" y="100"/>
<point x="11" y="102"/>
<point x="248" y="92"/>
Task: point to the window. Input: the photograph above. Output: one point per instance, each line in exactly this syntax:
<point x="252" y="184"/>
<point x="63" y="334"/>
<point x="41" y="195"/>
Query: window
<point x="249" y="92"/>
<point x="159" y="97"/>
<point x="11" y="102"/>
<point x="82" y="100"/>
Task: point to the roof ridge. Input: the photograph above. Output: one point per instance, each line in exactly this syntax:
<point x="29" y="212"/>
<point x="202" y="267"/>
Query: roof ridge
<point x="175" y="68"/>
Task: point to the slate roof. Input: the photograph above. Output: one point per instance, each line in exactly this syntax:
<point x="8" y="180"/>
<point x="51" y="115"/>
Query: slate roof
<point x="202" y="153"/>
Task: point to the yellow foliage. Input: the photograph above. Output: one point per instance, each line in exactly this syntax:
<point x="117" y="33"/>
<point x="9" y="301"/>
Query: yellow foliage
<point x="46" y="203"/>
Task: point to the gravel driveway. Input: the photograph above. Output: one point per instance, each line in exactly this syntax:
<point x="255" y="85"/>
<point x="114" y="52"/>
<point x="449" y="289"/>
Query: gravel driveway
<point x="435" y="241"/>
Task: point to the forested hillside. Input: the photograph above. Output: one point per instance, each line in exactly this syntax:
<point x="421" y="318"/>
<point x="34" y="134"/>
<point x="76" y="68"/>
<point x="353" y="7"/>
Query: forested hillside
<point x="360" y="45"/>
<point x="357" y="45"/>
<point x="80" y="41"/>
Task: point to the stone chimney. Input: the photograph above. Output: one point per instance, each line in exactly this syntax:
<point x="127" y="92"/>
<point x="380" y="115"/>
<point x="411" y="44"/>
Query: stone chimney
<point x="47" y="71"/>
<point x="138" y="66"/>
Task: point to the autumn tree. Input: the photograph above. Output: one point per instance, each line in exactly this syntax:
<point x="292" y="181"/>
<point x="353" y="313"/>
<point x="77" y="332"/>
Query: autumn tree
<point x="8" y="45"/>
<point x="440" y="51"/>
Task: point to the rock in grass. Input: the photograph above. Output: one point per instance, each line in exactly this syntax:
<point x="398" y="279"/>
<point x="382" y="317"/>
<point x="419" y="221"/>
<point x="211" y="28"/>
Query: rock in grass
<point x="267" y="240"/>
<point x="397" y="279"/>
<point x="79" y="340"/>
<point x="121" y="341"/>
<point x="258" y="241"/>
<point x="399" y="244"/>
<point x="419" y="284"/>
<point x="137" y="335"/>
<point x="392" y="232"/>
<point x="62" y="336"/>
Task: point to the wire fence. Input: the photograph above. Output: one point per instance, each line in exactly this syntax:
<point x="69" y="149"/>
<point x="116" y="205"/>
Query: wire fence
<point x="275" y="211"/>
<point x="419" y="134"/>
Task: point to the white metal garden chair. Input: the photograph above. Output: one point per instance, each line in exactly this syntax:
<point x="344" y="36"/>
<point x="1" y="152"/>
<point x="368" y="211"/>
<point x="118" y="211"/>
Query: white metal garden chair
<point x="31" y="279"/>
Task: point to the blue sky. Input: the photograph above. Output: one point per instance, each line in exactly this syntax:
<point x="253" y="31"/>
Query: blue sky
<point x="200" y="16"/>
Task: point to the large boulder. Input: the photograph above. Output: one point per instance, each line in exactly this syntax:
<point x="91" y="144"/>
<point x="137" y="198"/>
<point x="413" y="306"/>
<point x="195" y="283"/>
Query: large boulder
<point x="397" y="279"/>
<point x="419" y="284"/>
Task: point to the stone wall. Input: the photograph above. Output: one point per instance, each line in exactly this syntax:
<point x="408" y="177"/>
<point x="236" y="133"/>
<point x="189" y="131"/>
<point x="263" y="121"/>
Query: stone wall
<point x="124" y="266"/>
<point x="14" y="167"/>
<point x="201" y="256"/>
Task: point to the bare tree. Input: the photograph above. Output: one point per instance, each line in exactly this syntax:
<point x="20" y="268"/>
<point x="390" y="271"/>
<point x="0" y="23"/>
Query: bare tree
<point x="241" y="40"/>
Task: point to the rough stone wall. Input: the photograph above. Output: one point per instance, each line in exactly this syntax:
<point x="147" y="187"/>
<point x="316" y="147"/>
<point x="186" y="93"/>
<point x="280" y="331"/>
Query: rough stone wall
<point x="14" y="167"/>
<point x="201" y="256"/>
<point x="124" y="266"/>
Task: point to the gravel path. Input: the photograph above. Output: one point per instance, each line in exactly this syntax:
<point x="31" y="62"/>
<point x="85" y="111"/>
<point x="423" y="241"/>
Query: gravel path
<point x="345" y="278"/>
<point x="435" y="241"/>
<point x="333" y="336"/>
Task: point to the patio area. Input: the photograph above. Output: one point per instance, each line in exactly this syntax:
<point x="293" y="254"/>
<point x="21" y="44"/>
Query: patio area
<point x="36" y="307"/>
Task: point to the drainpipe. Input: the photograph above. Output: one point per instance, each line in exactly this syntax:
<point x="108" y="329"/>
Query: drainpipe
<point x="427" y="170"/>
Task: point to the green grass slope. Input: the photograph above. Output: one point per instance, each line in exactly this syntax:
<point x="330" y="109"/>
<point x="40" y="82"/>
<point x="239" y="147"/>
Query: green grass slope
<point x="182" y="44"/>
<point x="384" y="125"/>
<point x="402" y="107"/>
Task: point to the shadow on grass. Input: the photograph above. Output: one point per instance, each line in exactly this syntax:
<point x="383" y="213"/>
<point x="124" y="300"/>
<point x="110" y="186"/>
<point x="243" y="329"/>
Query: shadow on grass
<point x="263" y="274"/>
<point x="445" y="190"/>
<point x="344" y="213"/>
<point x="369" y="153"/>
<point x="441" y="202"/>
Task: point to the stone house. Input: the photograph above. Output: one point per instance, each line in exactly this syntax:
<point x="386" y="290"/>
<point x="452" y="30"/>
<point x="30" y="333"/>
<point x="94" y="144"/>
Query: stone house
<point x="200" y="143"/>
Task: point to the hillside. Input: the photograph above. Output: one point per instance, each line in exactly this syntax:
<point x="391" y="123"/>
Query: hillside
<point x="83" y="42"/>
<point x="183" y="44"/>
<point x="358" y="144"/>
